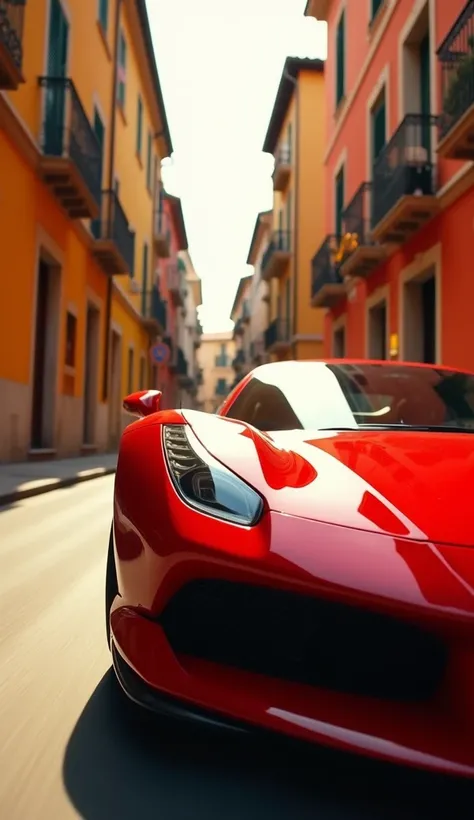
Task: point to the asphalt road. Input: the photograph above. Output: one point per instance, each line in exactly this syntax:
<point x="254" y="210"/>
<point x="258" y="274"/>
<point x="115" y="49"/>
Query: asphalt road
<point x="71" y="747"/>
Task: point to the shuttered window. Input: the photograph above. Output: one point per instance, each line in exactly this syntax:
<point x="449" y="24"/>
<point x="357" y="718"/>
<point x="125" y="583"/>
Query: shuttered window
<point x="376" y="4"/>
<point x="122" y="71"/>
<point x="379" y="134"/>
<point x="104" y="13"/>
<point x="339" y="201"/>
<point x="149" y="160"/>
<point x="139" y="126"/>
<point x="341" y="59"/>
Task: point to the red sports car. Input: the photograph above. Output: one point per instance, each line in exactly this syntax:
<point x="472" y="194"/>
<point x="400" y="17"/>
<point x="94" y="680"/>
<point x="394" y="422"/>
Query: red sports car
<point x="303" y="561"/>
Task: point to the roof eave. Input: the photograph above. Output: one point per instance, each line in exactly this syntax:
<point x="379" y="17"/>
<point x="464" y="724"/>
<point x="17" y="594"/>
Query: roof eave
<point x="291" y="70"/>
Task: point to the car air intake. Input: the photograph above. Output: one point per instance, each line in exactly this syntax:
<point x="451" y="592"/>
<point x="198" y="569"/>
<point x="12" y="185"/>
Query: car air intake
<point x="304" y="640"/>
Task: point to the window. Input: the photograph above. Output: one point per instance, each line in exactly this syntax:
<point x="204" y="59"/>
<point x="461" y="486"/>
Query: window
<point x="138" y="146"/>
<point x="378" y="127"/>
<point x="339" y="202"/>
<point x="341" y="59"/>
<point x="221" y="387"/>
<point x="375" y="6"/>
<point x="149" y="160"/>
<point x="221" y="358"/>
<point x="314" y="395"/>
<point x="142" y="375"/>
<point x="71" y="331"/>
<point x="131" y="357"/>
<point x="104" y="13"/>
<point x="122" y="71"/>
<point x="144" y="276"/>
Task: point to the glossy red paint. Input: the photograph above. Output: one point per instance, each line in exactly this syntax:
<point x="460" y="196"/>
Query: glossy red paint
<point x="376" y="519"/>
<point x="143" y="402"/>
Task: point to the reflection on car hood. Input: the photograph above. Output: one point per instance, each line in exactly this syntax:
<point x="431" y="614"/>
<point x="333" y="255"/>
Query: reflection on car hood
<point x="407" y="484"/>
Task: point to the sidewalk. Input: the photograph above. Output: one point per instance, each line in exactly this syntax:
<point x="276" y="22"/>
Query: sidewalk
<point x="25" y="479"/>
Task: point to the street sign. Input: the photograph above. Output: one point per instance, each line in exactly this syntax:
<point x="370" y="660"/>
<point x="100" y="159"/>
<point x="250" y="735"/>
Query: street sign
<point x="159" y="353"/>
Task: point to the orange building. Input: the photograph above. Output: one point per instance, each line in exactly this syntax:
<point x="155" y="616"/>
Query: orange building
<point x="83" y="130"/>
<point x="395" y="269"/>
<point x="296" y="138"/>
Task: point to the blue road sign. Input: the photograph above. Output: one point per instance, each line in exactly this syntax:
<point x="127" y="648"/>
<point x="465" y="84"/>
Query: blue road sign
<point x="159" y="353"/>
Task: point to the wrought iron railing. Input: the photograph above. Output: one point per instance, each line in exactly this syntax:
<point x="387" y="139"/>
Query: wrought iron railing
<point x="280" y="241"/>
<point x="283" y="156"/>
<point x="324" y="268"/>
<point x="239" y="359"/>
<point x="181" y="363"/>
<point x="12" y="14"/>
<point x="175" y="279"/>
<point x="113" y="226"/>
<point x="162" y="225"/>
<point x="154" y="307"/>
<point x="67" y="132"/>
<point x="356" y="216"/>
<point x="405" y="166"/>
<point x="239" y="327"/>
<point x="456" y="57"/>
<point x="222" y="360"/>
<point x="277" y="331"/>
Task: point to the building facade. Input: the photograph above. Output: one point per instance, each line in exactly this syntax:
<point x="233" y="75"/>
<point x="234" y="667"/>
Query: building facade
<point x="170" y="275"/>
<point x="240" y="315"/>
<point x="191" y="334"/>
<point x="215" y="357"/>
<point x="394" y="272"/>
<point x="259" y="295"/>
<point x="296" y="137"/>
<point x="82" y="135"/>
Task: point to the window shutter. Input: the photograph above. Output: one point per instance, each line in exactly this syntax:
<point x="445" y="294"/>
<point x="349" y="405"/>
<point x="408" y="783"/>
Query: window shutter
<point x="340" y="59"/>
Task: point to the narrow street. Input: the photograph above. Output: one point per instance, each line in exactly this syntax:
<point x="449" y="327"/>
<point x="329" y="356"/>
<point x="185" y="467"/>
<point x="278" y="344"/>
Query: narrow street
<point x="69" y="746"/>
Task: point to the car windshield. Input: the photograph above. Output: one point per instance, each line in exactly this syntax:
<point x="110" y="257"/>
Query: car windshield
<point x="315" y="395"/>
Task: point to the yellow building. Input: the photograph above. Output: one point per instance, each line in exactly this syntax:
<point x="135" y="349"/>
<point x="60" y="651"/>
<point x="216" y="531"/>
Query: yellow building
<point x="215" y="357"/>
<point x="240" y="315"/>
<point x="82" y="133"/>
<point x="296" y="138"/>
<point x="259" y="291"/>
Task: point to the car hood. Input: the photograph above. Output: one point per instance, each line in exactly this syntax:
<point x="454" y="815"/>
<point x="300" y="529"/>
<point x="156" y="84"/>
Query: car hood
<point x="401" y="483"/>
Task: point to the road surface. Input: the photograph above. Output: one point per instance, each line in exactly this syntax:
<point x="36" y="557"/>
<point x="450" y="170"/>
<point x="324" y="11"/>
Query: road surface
<point x="69" y="749"/>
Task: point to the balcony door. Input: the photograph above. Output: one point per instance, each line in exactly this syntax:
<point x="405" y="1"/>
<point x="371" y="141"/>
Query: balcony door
<point x="99" y="131"/>
<point x="425" y="92"/>
<point x="58" y="44"/>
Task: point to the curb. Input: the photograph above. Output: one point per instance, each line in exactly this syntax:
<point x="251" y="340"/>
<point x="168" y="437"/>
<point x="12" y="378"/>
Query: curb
<point x="47" y="485"/>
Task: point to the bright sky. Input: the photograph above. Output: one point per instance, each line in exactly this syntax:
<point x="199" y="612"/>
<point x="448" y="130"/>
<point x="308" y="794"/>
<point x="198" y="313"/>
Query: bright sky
<point x="220" y="64"/>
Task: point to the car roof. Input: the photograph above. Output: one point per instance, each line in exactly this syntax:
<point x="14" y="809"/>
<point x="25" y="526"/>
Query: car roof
<point x="357" y="363"/>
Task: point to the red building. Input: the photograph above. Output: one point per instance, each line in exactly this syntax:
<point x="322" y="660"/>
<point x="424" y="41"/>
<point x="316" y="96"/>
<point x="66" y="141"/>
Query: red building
<point x="170" y="273"/>
<point x="396" y="270"/>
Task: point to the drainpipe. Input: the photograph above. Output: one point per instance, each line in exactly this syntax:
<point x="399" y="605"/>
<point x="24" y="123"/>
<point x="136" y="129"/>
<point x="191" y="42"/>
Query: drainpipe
<point x="110" y="186"/>
<point x="296" y="208"/>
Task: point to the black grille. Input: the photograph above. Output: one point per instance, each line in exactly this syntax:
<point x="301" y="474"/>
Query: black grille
<point x="305" y="640"/>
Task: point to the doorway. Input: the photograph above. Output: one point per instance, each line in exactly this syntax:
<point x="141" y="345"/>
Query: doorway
<point x="91" y="374"/>
<point x="115" y="391"/>
<point x="419" y="312"/>
<point x="45" y="357"/>
<point x="339" y="343"/>
<point x="377" y="330"/>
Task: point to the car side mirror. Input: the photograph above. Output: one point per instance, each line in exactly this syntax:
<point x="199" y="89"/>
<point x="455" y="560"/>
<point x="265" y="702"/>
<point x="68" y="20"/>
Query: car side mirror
<point x="143" y="403"/>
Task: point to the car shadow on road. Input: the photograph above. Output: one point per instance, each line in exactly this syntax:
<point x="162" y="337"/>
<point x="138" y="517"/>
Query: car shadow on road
<point x="121" y="763"/>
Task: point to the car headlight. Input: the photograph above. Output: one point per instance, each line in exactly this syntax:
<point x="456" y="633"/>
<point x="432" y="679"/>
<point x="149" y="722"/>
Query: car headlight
<point x="204" y="483"/>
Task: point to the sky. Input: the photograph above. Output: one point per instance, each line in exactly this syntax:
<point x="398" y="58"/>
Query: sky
<point x="220" y="65"/>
